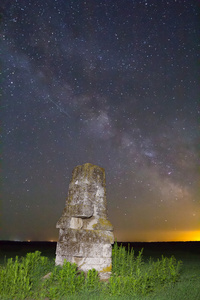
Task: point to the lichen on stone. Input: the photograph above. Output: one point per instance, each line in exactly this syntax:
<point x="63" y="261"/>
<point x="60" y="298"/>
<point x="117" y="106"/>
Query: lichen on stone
<point x="107" y="269"/>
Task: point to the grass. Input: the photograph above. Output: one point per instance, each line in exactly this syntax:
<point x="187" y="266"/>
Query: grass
<point x="133" y="277"/>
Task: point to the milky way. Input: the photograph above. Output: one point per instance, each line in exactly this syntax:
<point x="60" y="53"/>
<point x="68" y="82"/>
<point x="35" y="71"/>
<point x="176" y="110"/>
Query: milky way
<point x="113" y="83"/>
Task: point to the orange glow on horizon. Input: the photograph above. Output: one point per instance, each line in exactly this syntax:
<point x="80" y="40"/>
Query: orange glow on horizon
<point x="190" y="236"/>
<point x="158" y="236"/>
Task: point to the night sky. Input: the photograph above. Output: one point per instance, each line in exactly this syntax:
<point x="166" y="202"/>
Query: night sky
<point x="113" y="83"/>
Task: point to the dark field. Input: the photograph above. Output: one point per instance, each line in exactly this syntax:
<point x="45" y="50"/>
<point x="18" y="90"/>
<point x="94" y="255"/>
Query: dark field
<point x="187" y="287"/>
<point x="11" y="249"/>
<point x="185" y="251"/>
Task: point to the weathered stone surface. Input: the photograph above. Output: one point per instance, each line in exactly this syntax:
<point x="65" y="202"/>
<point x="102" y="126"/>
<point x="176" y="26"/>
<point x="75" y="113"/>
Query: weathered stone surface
<point x="85" y="249"/>
<point x="85" y="234"/>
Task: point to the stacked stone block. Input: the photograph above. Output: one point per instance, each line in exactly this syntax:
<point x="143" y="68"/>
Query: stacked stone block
<point x="85" y="234"/>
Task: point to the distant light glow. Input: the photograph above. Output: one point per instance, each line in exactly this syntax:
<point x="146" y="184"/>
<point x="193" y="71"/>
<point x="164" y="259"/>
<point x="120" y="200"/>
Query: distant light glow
<point x="190" y="236"/>
<point x="158" y="236"/>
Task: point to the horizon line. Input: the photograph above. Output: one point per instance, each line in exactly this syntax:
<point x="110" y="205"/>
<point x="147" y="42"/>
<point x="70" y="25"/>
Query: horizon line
<point x="54" y="241"/>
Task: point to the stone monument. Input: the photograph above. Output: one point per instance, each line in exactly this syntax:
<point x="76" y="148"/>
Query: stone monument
<point x="85" y="234"/>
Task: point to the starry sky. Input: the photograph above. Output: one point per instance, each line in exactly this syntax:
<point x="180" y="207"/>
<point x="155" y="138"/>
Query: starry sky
<point x="113" y="83"/>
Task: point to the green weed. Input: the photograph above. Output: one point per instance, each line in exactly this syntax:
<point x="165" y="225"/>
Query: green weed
<point x="18" y="277"/>
<point x="131" y="278"/>
<point x="63" y="281"/>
